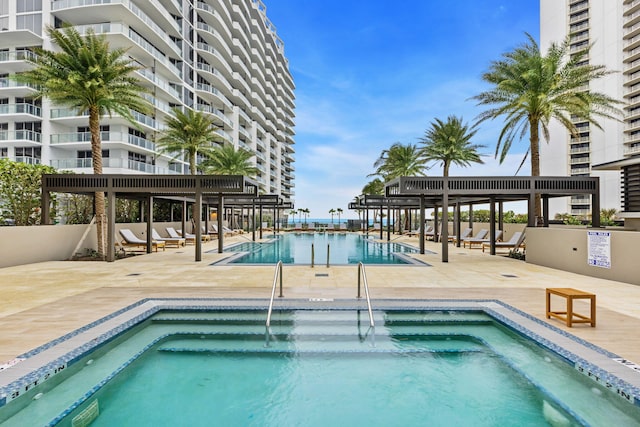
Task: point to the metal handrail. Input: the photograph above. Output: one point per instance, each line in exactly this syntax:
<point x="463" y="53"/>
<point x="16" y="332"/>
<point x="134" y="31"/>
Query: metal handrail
<point x="363" y="274"/>
<point x="313" y="255"/>
<point x="328" y="253"/>
<point x="277" y="274"/>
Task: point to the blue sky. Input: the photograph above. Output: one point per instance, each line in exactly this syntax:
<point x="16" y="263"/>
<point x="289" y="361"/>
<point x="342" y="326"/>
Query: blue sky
<point x="372" y="73"/>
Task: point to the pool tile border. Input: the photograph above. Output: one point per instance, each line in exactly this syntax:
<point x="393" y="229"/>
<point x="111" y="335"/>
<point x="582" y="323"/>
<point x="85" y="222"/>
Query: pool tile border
<point x="596" y="363"/>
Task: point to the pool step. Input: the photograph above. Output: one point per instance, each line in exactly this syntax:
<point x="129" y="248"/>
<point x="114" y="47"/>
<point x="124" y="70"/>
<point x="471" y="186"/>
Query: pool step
<point x="319" y="343"/>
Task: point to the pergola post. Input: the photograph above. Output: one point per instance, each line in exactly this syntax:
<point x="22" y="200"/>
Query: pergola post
<point x="111" y="226"/>
<point x="422" y="224"/>
<point x="260" y="220"/>
<point x="531" y="209"/>
<point x="388" y="220"/>
<point x="184" y="218"/>
<point x="149" y="214"/>
<point x="197" y="218"/>
<point x="45" y="207"/>
<point x="545" y="210"/>
<point x="595" y="207"/>
<point x="492" y="225"/>
<point x="445" y="222"/>
<point x="253" y="219"/>
<point x="220" y="223"/>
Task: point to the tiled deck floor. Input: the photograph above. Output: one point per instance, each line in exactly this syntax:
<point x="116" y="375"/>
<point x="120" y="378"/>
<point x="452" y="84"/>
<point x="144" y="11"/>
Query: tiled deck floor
<point x="41" y="302"/>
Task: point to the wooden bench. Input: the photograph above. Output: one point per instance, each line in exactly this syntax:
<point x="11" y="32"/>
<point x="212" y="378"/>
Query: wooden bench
<point x="569" y="316"/>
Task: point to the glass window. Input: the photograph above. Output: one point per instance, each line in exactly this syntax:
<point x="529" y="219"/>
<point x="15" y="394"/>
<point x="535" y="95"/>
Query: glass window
<point x="29" y="6"/>
<point x="31" y="22"/>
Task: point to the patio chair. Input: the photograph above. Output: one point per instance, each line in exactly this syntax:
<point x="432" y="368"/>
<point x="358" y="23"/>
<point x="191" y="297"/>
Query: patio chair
<point x="175" y="235"/>
<point x="130" y="239"/>
<point x="516" y="241"/>
<point x="177" y="241"/>
<point x="480" y="235"/>
<point x="464" y="235"/>
<point x="204" y="236"/>
<point x="479" y="242"/>
<point x="343" y="227"/>
<point x="330" y="228"/>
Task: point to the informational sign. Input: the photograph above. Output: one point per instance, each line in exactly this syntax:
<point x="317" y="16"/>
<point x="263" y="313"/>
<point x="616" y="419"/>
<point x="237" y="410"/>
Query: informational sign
<point x="599" y="248"/>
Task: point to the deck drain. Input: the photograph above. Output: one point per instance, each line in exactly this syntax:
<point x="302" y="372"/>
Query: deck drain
<point x="134" y="274"/>
<point x="508" y="275"/>
<point x="322" y="274"/>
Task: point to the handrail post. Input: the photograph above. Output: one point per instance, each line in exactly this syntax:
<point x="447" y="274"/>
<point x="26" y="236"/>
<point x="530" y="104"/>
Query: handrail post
<point x="328" y="253"/>
<point x="366" y="292"/>
<point x="313" y="255"/>
<point x="277" y="273"/>
<point x="280" y="270"/>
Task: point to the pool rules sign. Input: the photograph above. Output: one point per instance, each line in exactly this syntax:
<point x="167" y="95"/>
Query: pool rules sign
<point x="599" y="247"/>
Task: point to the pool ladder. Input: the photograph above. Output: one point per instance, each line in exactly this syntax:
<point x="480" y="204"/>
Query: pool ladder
<point x="277" y="278"/>
<point x="313" y="255"/>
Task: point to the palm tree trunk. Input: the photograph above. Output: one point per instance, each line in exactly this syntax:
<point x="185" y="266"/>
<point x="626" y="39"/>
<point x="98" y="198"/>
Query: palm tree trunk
<point x="96" y="159"/>
<point x="445" y="172"/>
<point x="534" y="141"/>
<point x="192" y="163"/>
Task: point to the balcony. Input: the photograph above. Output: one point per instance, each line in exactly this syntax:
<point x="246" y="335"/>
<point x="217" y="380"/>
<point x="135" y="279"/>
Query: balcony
<point x="579" y="160"/>
<point x="28" y="160"/>
<point x="81" y="138"/>
<point x="20" y="137"/>
<point x="16" y="60"/>
<point x="9" y="87"/>
<point x="632" y="150"/>
<point x="20" y="112"/>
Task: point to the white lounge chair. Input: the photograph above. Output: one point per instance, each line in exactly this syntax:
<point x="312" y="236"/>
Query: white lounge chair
<point x="177" y="241"/>
<point x="464" y="235"/>
<point x="343" y="227"/>
<point x="515" y="242"/>
<point x="174" y="234"/>
<point x="479" y="242"/>
<point x="130" y="239"/>
<point x="204" y="236"/>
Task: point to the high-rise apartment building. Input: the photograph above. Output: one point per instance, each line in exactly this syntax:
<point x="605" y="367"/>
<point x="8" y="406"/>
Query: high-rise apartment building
<point x="219" y="56"/>
<point x="613" y="28"/>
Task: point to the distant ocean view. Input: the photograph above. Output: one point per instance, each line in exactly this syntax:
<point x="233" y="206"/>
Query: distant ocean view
<point x="328" y="220"/>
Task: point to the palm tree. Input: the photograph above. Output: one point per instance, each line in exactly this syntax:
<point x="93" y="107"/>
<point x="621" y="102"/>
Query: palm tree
<point x="226" y="160"/>
<point x="530" y="89"/>
<point x="192" y="132"/>
<point x="293" y="216"/>
<point x="399" y="160"/>
<point x="90" y="77"/>
<point x="332" y="212"/>
<point x="375" y="187"/>
<point x="339" y="211"/>
<point x="450" y="142"/>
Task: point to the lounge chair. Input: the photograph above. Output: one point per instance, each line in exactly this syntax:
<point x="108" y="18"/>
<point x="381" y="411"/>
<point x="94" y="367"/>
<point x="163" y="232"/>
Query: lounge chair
<point x="416" y="232"/>
<point x="130" y="239"/>
<point x="234" y="231"/>
<point x="177" y="241"/>
<point x="297" y="226"/>
<point x="479" y="242"/>
<point x="175" y="235"/>
<point x="330" y="227"/>
<point x="480" y="235"/>
<point x="464" y="235"/>
<point x="516" y="241"/>
<point x="343" y="227"/>
<point x="204" y="236"/>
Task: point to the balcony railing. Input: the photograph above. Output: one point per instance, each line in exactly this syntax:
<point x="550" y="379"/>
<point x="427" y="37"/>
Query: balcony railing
<point x="20" y="135"/>
<point x="21" y="108"/>
<point x="114" y="163"/>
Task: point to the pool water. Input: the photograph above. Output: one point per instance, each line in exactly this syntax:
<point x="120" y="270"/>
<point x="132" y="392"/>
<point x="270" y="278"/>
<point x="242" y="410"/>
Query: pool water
<point x="324" y="367"/>
<point x="343" y="249"/>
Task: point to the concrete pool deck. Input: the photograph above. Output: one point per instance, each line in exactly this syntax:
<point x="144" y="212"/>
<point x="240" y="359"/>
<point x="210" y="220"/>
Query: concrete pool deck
<point x="41" y="302"/>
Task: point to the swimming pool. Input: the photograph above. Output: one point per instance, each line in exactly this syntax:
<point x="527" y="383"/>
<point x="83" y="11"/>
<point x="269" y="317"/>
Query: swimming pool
<point x="204" y="362"/>
<point x="342" y="248"/>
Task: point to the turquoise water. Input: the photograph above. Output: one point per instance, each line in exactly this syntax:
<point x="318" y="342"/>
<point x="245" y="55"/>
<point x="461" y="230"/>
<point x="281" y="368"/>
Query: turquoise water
<point x="325" y="368"/>
<point x="321" y="390"/>
<point x="343" y="249"/>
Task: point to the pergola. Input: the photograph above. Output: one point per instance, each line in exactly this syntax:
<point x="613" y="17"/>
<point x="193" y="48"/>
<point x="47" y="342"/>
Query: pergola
<point x="440" y="192"/>
<point x="201" y="189"/>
